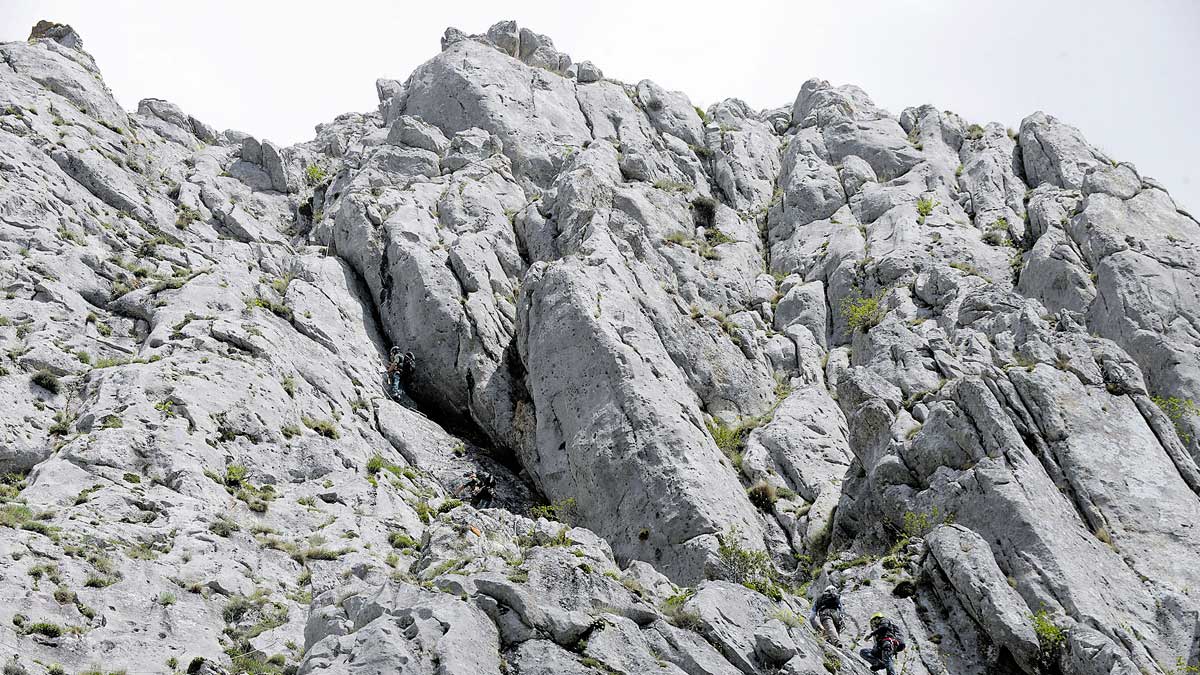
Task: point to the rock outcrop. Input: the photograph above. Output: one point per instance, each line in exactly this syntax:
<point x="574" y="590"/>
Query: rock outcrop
<point x="712" y="359"/>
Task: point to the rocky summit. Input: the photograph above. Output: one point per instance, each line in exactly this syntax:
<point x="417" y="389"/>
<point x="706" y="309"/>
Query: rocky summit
<point x="673" y="372"/>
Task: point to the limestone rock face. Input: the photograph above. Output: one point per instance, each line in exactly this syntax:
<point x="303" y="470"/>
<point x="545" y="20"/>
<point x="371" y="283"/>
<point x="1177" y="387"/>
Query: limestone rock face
<point x="713" y="360"/>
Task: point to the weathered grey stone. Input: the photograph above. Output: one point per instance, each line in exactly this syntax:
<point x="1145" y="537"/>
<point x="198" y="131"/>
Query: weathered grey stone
<point x="701" y="341"/>
<point x="273" y="163"/>
<point x="980" y="585"/>
<point x="506" y="37"/>
<point x="1055" y="153"/>
<point x="588" y="72"/>
<point x="413" y="132"/>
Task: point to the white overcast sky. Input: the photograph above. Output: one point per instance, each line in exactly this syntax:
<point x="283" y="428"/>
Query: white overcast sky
<point x="1125" y="72"/>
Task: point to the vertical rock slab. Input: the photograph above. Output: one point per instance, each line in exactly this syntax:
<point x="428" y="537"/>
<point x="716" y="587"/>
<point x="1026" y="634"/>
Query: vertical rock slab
<point x="617" y="427"/>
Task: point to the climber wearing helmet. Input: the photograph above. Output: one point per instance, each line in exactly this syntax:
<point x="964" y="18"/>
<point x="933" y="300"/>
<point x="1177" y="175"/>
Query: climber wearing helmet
<point x="827" y="614"/>
<point x="887" y="644"/>
<point x="399" y="371"/>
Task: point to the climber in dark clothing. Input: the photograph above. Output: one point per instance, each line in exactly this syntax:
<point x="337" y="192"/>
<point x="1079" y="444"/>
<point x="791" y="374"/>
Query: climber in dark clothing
<point x="477" y="489"/>
<point x="887" y="644"/>
<point x="827" y="614"/>
<point x="399" y="371"/>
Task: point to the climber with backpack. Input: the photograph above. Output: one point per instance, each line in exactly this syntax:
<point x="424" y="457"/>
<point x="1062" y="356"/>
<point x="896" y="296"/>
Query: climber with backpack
<point x="888" y="643"/>
<point x="399" y="371"/>
<point x="827" y="614"/>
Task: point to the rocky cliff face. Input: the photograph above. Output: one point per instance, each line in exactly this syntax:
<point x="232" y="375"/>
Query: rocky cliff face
<point x="740" y="354"/>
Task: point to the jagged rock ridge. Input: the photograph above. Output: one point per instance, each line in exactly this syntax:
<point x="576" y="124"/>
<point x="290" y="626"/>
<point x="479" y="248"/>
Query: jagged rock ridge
<point x="949" y="367"/>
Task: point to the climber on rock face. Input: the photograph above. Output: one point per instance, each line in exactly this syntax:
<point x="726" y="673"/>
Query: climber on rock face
<point x="476" y="489"/>
<point x="887" y="644"/>
<point x="399" y="371"/>
<point x="826" y="614"/>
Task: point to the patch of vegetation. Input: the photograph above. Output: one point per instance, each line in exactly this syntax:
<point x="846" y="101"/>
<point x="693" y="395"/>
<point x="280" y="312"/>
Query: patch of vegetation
<point x="277" y="308"/>
<point x="376" y="464"/>
<point x="974" y="132"/>
<point x="788" y="617"/>
<point x="185" y="216"/>
<point x="321" y="553"/>
<point x="97" y="581"/>
<point x="424" y="511"/>
<point x="865" y="559"/>
<point x="401" y="540"/>
<point x="166" y="407"/>
<point x="46" y="380"/>
<point x="11" y="485"/>
<point x="677" y="238"/>
<point x="281" y="284"/>
<point x="1049" y="634"/>
<point x="831" y="660"/>
<point x="673" y="609"/>
<point x="1178" y="410"/>
<point x="731" y="440"/>
<point x="63" y="419"/>
<point x="919" y="523"/>
<point x="322" y="427"/>
<point x="967" y="268"/>
<point x="672" y="186"/>
<point x="247" y="618"/>
<point x="223" y="526"/>
<point x="51" y="572"/>
<point x="924" y="208"/>
<point x="715" y="237"/>
<point x="235" y="475"/>
<point x="863" y="313"/>
<point x="18" y="517"/>
<point x="46" y="628"/>
<point x="752" y="569"/>
<point x="314" y="174"/>
<point x="563" y="510"/>
<point x="257" y="499"/>
<point x="142" y="551"/>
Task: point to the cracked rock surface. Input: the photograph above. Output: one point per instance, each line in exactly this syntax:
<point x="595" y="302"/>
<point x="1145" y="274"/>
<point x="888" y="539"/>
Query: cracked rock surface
<point x="714" y="359"/>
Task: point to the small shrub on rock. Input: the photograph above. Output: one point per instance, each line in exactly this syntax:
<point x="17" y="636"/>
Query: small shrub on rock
<point x="46" y="628"/>
<point x="563" y="510"/>
<point x="402" y="541"/>
<point x="752" y="569"/>
<point x="46" y="380"/>
<point x="223" y="526"/>
<point x="863" y="313"/>
<point x="322" y="427"/>
<point x="1050" y="635"/>
<point x="676" y="615"/>
<point x="313" y="174"/>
